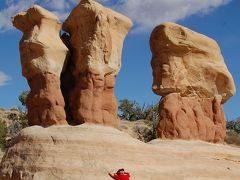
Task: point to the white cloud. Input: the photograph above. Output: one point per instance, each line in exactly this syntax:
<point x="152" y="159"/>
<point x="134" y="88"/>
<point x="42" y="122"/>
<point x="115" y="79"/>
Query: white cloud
<point x="3" y="78"/>
<point x="12" y="8"/>
<point x="145" y="14"/>
<point x="58" y="5"/>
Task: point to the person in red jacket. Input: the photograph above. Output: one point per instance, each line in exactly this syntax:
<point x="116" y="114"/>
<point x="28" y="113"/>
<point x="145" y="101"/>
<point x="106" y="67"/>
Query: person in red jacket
<point x="120" y="175"/>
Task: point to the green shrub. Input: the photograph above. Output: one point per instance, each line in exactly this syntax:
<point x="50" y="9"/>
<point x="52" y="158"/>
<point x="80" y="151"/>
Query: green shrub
<point x="132" y="111"/>
<point x="23" y="97"/>
<point x="234" y="125"/>
<point x="23" y="120"/>
<point x="233" y="138"/>
<point x="3" y="135"/>
<point x="13" y="116"/>
<point x="20" y="120"/>
<point x="146" y="134"/>
<point x="18" y="124"/>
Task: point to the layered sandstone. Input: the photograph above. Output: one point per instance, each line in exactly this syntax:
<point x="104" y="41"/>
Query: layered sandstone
<point x="188" y="63"/>
<point x="87" y="152"/>
<point x="191" y="118"/>
<point x="96" y="36"/>
<point x="190" y="74"/>
<point x="43" y="55"/>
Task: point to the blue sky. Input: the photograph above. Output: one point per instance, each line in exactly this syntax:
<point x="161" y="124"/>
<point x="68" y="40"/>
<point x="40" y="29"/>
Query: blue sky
<point x="218" y="19"/>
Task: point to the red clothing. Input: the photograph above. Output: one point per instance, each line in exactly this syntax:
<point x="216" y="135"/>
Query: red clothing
<point x="125" y="176"/>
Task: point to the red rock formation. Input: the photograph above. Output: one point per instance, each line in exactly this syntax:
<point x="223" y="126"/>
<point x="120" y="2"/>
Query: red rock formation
<point x="93" y="100"/>
<point x="45" y="102"/>
<point x="87" y="79"/>
<point x="189" y="73"/>
<point x="191" y="118"/>
<point x="96" y="39"/>
<point x="43" y="55"/>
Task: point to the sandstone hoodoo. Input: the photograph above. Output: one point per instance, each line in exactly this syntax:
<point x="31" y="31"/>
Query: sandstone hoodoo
<point x="96" y="39"/>
<point x="84" y="83"/>
<point x="190" y="74"/>
<point x="72" y="80"/>
<point x="43" y="55"/>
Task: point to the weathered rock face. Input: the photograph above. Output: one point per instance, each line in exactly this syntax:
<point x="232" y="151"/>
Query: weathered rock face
<point x="88" y="151"/>
<point x="188" y="63"/>
<point x="191" y="118"/>
<point x="87" y="79"/>
<point x="190" y="74"/>
<point x="45" y="102"/>
<point x="96" y="39"/>
<point x="43" y="55"/>
<point x="92" y="100"/>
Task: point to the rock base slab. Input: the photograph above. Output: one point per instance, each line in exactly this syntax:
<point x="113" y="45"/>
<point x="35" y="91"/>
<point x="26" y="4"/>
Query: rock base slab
<point x="88" y="151"/>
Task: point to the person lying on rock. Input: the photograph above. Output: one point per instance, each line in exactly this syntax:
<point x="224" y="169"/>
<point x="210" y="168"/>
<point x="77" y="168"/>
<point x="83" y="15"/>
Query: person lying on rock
<point x="120" y="175"/>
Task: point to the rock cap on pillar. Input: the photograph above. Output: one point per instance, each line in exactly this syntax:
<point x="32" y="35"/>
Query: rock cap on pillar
<point x="101" y="40"/>
<point x="188" y="63"/>
<point x="46" y="52"/>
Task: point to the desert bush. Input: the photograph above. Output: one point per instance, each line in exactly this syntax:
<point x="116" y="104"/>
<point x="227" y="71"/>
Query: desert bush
<point x="234" y="125"/>
<point x="14" y="122"/>
<point x="152" y="114"/>
<point x="23" y="97"/>
<point x="145" y="134"/>
<point x="132" y="111"/>
<point x="233" y="137"/>
<point x="3" y="135"/>
<point x="18" y="124"/>
<point x="22" y="120"/>
<point x="13" y="116"/>
<point x="18" y="119"/>
<point x="233" y="132"/>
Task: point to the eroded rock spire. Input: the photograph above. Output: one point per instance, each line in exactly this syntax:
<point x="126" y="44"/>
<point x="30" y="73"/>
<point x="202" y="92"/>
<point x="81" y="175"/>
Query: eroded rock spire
<point x="96" y="39"/>
<point x="190" y="74"/>
<point x="43" y="55"/>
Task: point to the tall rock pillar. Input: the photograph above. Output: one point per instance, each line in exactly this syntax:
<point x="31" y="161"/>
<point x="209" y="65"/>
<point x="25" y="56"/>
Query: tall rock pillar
<point x="96" y="39"/>
<point x="190" y="74"/>
<point x="43" y="55"/>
